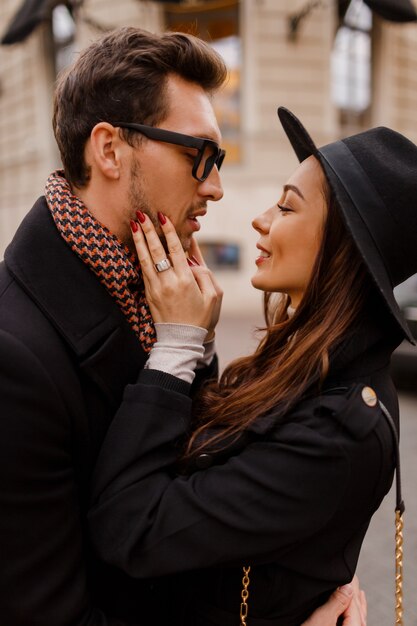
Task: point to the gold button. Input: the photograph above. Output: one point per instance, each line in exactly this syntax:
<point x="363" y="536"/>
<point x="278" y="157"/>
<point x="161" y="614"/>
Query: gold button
<point x="204" y="461"/>
<point x="369" y="396"/>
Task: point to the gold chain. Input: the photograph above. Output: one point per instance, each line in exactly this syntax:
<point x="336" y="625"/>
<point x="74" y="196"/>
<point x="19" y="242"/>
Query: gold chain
<point x="399" y="525"/>
<point x="245" y="595"/>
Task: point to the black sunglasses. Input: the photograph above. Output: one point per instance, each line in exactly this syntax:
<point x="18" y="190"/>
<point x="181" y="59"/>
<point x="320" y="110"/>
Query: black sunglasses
<point x="208" y="152"/>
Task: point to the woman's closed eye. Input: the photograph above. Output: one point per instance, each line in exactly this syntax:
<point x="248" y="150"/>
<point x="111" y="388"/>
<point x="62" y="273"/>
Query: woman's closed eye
<point x="284" y="209"/>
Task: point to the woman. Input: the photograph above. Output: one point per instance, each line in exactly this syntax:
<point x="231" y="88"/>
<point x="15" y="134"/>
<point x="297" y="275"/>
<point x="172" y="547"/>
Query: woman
<point x="290" y="454"/>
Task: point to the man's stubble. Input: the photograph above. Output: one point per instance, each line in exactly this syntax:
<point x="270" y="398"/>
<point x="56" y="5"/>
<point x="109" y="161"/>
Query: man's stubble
<point x="138" y="201"/>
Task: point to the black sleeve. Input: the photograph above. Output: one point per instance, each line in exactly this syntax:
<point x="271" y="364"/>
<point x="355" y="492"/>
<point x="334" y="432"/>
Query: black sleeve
<point x="205" y="374"/>
<point x="42" y="579"/>
<point x="150" y="523"/>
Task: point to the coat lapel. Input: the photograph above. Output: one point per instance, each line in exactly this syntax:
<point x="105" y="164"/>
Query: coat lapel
<point x="79" y="307"/>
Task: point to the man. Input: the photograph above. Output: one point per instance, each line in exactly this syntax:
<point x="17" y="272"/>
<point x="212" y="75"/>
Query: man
<point x="75" y="327"/>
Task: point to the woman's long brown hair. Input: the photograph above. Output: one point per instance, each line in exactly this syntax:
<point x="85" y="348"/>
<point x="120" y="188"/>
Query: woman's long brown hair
<point x="293" y="356"/>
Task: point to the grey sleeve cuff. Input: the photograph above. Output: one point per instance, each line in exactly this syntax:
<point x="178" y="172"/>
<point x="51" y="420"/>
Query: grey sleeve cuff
<point x="209" y="352"/>
<point x="178" y="349"/>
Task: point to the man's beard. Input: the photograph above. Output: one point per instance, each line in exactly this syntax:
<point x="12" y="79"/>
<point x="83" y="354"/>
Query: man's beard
<point x="138" y="201"/>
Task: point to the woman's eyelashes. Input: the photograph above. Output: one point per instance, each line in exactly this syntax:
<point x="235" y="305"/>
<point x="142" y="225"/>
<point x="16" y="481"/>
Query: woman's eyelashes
<point x="284" y="209"/>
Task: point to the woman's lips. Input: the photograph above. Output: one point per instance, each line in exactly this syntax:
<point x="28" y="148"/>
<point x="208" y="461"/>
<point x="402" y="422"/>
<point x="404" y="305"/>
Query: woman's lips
<point x="261" y="259"/>
<point x="264" y="256"/>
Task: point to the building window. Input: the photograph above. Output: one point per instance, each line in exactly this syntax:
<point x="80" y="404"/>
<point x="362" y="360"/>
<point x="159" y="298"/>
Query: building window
<point x="218" y="24"/>
<point x="63" y="35"/>
<point x="351" y="65"/>
<point x="221" y="255"/>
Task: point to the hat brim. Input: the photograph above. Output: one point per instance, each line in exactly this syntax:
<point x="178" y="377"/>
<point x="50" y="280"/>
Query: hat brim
<point x="305" y="147"/>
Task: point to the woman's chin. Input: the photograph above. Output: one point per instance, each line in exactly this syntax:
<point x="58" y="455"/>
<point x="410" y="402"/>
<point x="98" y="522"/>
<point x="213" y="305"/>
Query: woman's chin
<point x="257" y="282"/>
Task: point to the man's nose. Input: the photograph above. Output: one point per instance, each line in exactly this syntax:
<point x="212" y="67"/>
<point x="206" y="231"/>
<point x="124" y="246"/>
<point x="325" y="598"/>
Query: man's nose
<point x="212" y="187"/>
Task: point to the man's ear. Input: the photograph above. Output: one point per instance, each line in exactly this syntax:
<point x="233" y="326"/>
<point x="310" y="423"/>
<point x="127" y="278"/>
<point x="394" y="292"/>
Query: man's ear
<point x="106" y="148"/>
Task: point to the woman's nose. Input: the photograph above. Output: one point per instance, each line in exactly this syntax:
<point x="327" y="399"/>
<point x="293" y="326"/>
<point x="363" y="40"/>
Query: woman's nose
<point x="262" y="222"/>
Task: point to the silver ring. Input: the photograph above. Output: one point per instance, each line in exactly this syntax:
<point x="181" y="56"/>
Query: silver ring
<point x="163" y="265"/>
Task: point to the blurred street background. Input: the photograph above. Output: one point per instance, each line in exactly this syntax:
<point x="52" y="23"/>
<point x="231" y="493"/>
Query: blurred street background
<point x="342" y="66"/>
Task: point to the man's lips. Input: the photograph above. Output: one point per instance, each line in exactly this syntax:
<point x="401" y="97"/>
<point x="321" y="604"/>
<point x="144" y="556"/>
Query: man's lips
<point x="197" y="214"/>
<point x="192" y="218"/>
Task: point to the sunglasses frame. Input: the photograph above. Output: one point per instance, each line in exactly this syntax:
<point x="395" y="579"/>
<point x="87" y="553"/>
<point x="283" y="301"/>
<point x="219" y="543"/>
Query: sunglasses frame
<point x="179" y="139"/>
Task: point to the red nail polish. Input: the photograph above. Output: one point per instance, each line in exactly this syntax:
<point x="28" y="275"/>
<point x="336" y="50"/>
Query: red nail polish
<point x="195" y="260"/>
<point x="190" y="263"/>
<point x="133" y="226"/>
<point x="141" y="216"/>
<point x="162" y="218"/>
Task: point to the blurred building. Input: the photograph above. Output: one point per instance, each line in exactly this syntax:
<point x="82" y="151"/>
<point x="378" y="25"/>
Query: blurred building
<point x="340" y="66"/>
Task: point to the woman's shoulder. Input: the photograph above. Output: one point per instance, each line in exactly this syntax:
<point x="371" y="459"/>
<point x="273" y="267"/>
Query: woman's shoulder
<point x="354" y="408"/>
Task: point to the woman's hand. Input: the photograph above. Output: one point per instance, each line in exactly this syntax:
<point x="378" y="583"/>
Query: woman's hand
<point x="195" y="254"/>
<point x="180" y="294"/>
<point x="348" y="602"/>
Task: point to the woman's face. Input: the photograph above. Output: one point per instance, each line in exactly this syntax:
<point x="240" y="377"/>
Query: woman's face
<point x="291" y="232"/>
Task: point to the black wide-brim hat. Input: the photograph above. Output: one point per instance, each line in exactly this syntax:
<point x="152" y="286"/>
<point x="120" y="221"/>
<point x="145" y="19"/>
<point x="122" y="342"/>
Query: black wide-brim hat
<point x="374" y="177"/>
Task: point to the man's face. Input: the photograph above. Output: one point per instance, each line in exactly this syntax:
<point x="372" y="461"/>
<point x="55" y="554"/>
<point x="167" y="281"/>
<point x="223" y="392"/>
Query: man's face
<point x="161" y="173"/>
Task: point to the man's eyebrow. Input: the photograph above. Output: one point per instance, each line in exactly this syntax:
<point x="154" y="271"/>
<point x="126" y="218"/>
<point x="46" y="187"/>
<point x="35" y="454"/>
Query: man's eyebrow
<point x="294" y="189"/>
<point x="209" y="134"/>
<point x="210" y="137"/>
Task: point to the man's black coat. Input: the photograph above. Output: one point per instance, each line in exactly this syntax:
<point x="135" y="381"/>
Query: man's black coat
<point x="66" y="355"/>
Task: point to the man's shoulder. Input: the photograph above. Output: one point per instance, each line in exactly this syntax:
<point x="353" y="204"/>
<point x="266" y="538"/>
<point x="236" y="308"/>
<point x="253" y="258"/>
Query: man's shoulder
<point x="37" y="221"/>
<point x="13" y="299"/>
<point x="23" y="275"/>
<point x="6" y="280"/>
<point x="23" y="322"/>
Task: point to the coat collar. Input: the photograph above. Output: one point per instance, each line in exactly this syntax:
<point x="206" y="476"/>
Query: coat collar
<point x="77" y="305"/>
<point x="367" y="349"/>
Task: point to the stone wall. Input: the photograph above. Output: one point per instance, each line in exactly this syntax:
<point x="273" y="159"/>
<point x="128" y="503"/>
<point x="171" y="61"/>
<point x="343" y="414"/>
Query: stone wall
<point x="27" y="150"/>
<point x="395" y="88"/>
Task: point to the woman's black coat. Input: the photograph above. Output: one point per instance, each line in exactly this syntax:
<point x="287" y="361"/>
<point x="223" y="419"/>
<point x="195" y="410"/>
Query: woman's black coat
<point x="294" y="501"/>
<point x="66" y="356"/>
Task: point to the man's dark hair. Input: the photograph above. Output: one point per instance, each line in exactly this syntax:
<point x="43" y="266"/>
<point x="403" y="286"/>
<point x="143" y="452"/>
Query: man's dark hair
<point x="122" y="77"/>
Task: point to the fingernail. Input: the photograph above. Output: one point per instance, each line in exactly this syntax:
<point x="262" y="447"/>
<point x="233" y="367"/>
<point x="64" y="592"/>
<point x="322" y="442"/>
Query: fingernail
<point x="195" y="260"/>
<point x="347" y="590"/>
<point x="162" y="218"/>
<point x="141" y="216"/>
<point x="134" y="226"/>
<point x="190" y="263"/>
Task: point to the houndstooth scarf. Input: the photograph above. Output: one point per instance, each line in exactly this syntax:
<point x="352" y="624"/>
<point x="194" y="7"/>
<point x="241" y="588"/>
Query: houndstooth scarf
<point x="112" y="262"/>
